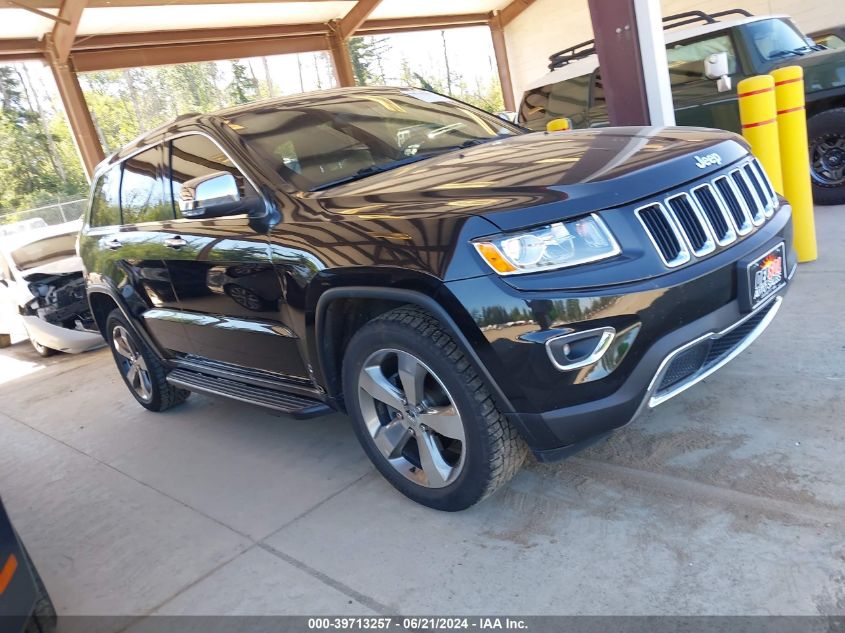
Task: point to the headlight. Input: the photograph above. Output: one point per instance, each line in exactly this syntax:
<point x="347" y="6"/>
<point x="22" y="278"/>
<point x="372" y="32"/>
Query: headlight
<point x="557" y="245"/>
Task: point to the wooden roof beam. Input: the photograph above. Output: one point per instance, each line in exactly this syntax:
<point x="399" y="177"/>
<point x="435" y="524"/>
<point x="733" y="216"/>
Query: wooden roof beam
<point x="64" y="31"/>
<point x="510" y="12"/>
<point x="91" y="60"/>
<point x="353" y="20"/>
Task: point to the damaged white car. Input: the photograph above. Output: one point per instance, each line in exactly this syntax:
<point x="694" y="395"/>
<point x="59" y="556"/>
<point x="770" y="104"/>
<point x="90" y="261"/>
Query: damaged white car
<point x="41" y="287"/>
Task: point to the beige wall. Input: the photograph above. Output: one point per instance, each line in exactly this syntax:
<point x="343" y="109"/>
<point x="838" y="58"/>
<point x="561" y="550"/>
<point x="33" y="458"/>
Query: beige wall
<point x="550" y="25"/>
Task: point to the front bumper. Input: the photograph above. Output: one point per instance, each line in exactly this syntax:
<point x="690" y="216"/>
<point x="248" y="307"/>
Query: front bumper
<point x="690" y="316"/>
<point x="59" y="338"/>
<point x="725" y="329"/>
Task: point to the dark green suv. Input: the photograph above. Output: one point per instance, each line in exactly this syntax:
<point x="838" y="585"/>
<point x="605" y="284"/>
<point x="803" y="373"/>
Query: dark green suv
<point x="753" y="45"/>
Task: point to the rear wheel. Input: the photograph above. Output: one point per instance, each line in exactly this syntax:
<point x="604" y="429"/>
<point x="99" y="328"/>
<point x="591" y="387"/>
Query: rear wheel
<point x="826" y="132"/>
<point x="139" y="367"/>
<point x="423" y="415"/>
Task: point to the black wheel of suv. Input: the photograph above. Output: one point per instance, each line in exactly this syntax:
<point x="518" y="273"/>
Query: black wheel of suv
<point x="423" y="415"/>
<point x="42" y="350"/>
<point x="142" y="372"/>
<point x="826" y="131"/>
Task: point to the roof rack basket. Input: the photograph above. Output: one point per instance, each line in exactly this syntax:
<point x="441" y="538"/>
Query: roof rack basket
<point x="585" y="49"/>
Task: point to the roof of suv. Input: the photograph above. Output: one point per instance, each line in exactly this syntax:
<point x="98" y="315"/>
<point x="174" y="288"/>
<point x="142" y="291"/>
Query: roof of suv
<point x="588" y="64"/>
<point x="303" y="98"/>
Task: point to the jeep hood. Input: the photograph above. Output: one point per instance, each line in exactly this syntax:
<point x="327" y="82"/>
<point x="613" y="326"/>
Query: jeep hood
<point x="540" y="177"/>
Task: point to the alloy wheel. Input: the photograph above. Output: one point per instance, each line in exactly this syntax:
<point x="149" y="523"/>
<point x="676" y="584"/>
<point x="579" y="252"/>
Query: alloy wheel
<point x="132" y="363"/>
<point x="827" y="156"/>
<point x="411" y="418"/>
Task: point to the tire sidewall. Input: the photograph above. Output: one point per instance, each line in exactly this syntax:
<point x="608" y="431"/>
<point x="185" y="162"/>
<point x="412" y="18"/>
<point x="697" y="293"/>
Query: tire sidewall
<point x="819" y="125"/>
<point x="114" y="319"/>
<point x="472" y="482"/>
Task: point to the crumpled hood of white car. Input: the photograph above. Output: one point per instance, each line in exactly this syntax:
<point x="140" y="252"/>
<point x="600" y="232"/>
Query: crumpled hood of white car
<point x="63" y="266"/>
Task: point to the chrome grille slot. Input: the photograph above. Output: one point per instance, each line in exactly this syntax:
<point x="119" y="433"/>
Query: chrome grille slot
<point x="742" y="223"/>
<point x="751" y="176"/>
<point x="763" y="178"/>
<point x="752" y="205"/>
<point x="692" y="223"/>
<point x="663" y="232"/>
<point x="720" y="223"/>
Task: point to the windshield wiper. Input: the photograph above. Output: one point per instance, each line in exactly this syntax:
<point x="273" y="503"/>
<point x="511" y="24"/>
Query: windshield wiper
<point x="373" y="170"/>
<point x="799" y="52"/>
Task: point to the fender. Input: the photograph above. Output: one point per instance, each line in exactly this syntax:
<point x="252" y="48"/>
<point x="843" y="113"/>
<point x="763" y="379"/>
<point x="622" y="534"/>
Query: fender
<point x="133" y="321"/>
<point x="405" y="296"/>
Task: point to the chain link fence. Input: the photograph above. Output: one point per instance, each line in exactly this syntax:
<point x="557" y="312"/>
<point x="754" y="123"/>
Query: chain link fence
<point x="58" y="213"/>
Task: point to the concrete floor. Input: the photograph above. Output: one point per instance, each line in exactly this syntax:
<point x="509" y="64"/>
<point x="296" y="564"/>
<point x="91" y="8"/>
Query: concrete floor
<point x="729" y="499"/>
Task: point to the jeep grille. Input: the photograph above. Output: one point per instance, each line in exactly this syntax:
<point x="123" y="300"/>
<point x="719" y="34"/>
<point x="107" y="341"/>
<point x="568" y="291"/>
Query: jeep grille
<point x="710" y="215"/>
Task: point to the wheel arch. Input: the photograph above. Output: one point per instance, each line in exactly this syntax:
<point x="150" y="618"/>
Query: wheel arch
<point x="823" y="104"/>
<point x="333" y="329"/>
<point x="103" y="299"/>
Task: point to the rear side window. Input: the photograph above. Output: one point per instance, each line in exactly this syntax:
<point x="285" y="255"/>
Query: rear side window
<point x="142" y="195"/>
<point x="105" y="208"/>
<point x="686" y="59"/>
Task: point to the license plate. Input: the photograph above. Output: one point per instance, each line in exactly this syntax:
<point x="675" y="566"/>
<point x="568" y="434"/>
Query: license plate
<point x="764" y="276"/>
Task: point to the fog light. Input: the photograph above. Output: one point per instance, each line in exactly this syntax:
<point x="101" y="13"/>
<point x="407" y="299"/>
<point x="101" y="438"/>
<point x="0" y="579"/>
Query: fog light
<point x="579" y="349"/>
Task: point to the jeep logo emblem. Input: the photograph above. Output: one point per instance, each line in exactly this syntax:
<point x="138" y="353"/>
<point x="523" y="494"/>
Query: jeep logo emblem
<point x="705" y="161"/>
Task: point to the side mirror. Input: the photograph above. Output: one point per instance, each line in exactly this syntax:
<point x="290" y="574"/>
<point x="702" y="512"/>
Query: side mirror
<point x="213" y="195"/>
<point x="559" y="125"/>
<point x="717" y="67"/>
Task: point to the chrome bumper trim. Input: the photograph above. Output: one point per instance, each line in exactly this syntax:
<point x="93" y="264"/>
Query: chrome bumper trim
<point x="654" y="399"/>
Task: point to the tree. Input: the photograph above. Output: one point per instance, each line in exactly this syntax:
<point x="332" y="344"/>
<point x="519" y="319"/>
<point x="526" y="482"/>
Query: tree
<point x="366" y="54"/>
<point x="242" y="88"/>
<point x="32" y="169"/>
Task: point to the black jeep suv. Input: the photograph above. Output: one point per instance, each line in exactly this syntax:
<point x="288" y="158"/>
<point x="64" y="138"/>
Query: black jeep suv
<point x="465" y="290"/>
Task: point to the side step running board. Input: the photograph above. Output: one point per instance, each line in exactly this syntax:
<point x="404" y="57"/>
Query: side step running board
<point x="293" y="405"/>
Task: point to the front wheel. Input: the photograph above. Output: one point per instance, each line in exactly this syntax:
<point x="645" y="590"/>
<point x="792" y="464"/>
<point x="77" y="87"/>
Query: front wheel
<point x="826" y="131"/>
<point x="423" y="415"/>
<point x="42" y="350"/>
<point x="141" y="370"/>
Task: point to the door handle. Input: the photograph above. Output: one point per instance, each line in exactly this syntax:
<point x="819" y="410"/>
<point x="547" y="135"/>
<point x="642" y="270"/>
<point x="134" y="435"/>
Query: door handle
<point x="175" y="242"/>
<point x="113" y="244"/>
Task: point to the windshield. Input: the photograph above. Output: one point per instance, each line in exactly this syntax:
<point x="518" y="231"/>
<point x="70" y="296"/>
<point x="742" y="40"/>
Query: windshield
<point x="775" y="38"/>
<point x="339" y="137"/>
<point x="44" y="251"/>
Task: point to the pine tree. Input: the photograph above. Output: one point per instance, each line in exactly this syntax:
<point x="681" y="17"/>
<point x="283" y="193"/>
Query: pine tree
<point x="242" y="87"/>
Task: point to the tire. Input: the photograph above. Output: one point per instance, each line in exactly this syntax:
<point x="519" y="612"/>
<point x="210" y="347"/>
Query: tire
<point x="826" y="132"/>
<point x="142" y="372"/>
<point x="42" y="350"/>
<point x="448" y="447"/>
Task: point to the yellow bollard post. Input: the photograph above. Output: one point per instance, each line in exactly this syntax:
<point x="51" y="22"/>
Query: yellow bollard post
<point x="795" y="160"/>
<point x="758" y="115"/>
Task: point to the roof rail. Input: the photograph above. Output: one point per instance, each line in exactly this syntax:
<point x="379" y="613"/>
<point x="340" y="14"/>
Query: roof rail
<point x="585" y="49"/>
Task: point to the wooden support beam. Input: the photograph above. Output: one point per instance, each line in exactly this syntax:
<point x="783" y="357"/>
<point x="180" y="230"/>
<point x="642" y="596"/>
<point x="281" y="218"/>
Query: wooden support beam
<point x="353" y="20"/>
<point x="37" y="11"/>
<point x="91" y="60"/>
<point x="341" y="59"/>
<point x="78" y="115"/>
<point x="402" y="25"/>
<point x="56" y="4"/>
<point x="64" y="31"/>
<point x="509" y="13"/>
<point x="194" y="36"/>
<point x="497" y="32"/>
<point x="105" y="45"/>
